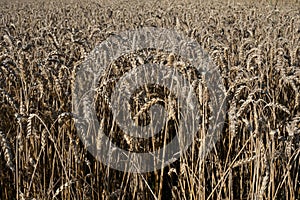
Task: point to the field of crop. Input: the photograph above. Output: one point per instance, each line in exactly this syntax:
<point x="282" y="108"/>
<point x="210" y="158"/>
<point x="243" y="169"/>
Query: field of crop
<point x="256" y="48"/>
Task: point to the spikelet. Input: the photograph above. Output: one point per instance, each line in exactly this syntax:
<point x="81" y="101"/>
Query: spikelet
<point x="244" y="161"/>
<point x="146" y="106"/>
<point x="264" y="184"/>
<point x="29" y="125"/>
<point x="292" y="128"/>
<point x="279" y="106"/>
<point x="8" y="156"/>
<point x="54" y="39"/>
<point x="44" y="138"/>
<point x="7" y="39"/>
<point x="9" y="99"/>
<point x="62" y="187"/>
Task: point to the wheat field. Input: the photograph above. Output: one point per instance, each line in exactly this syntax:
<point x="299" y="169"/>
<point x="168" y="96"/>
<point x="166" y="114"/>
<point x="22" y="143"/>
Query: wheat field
<point x="256" y="48"/>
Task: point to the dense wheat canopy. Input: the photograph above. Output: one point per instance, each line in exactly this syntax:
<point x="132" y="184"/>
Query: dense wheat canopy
<point x="255" y="46"/>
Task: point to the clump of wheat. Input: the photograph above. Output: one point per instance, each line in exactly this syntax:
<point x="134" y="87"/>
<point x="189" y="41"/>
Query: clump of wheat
<point x="255" y="47"/>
